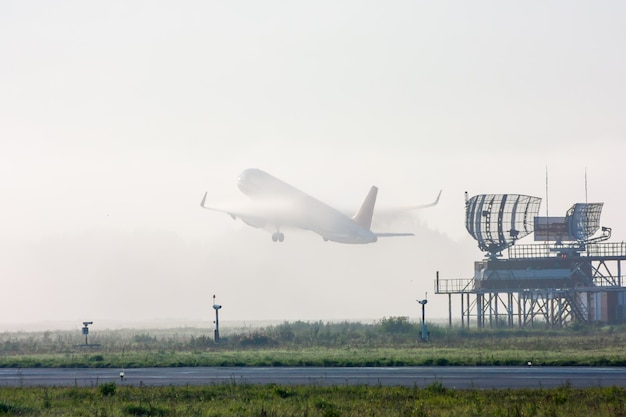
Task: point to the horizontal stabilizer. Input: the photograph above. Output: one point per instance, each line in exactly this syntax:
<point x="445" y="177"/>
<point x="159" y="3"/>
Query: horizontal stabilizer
<point x="393" y="234"/>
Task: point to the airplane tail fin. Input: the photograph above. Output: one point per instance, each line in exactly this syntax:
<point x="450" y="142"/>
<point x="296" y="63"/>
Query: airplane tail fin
<point x="363" y="217"/>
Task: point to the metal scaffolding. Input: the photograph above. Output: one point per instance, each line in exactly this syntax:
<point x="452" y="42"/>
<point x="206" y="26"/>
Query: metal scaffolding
<point x="503" y="300"/>
<point x="570" y="277"/>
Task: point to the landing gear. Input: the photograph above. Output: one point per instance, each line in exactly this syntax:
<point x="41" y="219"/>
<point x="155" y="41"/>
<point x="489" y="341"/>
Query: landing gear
<point x="278" y="237"/>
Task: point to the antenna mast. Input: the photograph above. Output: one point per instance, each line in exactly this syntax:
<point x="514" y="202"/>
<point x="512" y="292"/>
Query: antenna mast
<point x="547" y="204"/>
<point x="586" y="201"/>
<point x="547" y="212"/>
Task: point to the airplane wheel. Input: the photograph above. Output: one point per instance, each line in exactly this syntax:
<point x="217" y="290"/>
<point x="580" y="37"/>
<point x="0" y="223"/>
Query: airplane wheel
<point x="281" y="237"/>
<point x="274" y="237"/>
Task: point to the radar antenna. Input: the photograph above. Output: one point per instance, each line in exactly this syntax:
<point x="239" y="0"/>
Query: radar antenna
<point x="497" y="221"/>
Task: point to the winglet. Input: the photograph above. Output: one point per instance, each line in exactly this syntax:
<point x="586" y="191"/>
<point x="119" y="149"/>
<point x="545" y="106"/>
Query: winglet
<point x="437" y="199"/>
<point x="363" y="217"/>
<point x="421" y="206"/>
<point x="203" y="200"/>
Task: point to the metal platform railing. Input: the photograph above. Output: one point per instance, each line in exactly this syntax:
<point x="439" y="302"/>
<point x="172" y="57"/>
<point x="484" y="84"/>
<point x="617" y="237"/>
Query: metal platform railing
<point x="544" y="250"/>
<point x="454" y="286"/>
<point x="539" y="250"/>
<point x="608" y="250"/>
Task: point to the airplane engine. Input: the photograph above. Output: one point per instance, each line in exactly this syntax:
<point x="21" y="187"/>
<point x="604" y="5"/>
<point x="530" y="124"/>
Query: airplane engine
<point x="258" y="223"/>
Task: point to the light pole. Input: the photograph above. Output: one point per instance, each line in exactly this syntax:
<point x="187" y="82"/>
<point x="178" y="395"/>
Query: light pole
<point x="216" y="333"/>
<point x="424" y="327"/>
<point x="86" y="330"/>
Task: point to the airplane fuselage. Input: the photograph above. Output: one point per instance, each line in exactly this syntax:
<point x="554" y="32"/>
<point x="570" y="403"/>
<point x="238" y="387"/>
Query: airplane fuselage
<point x="276" y="205"/>
<point x="300" y="210"/>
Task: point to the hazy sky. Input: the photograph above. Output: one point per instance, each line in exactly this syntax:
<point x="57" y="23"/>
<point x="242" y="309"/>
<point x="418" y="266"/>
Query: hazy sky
<point x="116" y="117"/>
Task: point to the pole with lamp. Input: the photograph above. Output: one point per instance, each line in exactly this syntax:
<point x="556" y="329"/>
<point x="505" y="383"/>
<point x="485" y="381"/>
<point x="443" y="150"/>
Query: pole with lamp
<point x="424" y="327"/>
<point x="216" y="332"/>
<point x="86" y="331"/>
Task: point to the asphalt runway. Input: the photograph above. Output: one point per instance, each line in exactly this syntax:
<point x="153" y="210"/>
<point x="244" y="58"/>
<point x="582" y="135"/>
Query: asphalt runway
<point x="451" y="377"/>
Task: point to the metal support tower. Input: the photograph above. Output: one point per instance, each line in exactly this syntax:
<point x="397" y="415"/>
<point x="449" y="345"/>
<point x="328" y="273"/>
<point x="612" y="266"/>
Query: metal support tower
<point x="497" y="302"/>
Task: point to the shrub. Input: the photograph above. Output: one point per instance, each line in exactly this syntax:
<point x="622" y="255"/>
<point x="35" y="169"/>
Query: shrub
<point x="283" y="392"/>
<point x="107" y="389"/>
<point x="11" y="409"/>
<point x="327" y="408"/>
<point x="436" y="387"/>
<point x="141" y="410"/>
<point x="442" y="362"/>
<point x="257" y="339"/>
<point x="396" y="325"/>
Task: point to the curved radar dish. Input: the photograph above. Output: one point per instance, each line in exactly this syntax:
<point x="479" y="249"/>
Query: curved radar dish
<point x="583" y="220"/>
<point x="497" y="221"/>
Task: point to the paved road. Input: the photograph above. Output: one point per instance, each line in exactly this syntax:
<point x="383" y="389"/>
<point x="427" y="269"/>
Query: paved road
<point x="452" y="377"/>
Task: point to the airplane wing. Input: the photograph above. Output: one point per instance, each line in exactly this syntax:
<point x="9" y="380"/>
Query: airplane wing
<point x="397" y="210"/>
<point x="259" y="214"/>
<point x="421" y="206"/>
<point x="402" y="209"/>
<point x="386" y="216"/>
<point x="234" y="213"/>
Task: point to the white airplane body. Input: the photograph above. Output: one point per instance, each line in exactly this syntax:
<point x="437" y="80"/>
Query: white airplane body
<point x="280" y="205"/>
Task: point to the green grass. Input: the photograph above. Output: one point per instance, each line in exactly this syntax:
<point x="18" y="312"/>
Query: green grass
<point x="392" y="342"/>
<point x="276" y="400"/>
<point x="331" y="357"/>
<point x="389" y="343"/>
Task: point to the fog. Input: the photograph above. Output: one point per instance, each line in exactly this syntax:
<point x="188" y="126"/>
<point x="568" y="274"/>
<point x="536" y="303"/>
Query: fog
<point x="115" y="118"/>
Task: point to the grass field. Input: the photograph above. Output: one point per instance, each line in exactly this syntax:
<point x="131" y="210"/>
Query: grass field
<point x="322" y="357"/>
<point x="391" y="342"/>
<point x="273" y="400"/>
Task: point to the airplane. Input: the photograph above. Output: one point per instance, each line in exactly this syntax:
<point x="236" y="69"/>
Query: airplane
<point x="278" y="204"/>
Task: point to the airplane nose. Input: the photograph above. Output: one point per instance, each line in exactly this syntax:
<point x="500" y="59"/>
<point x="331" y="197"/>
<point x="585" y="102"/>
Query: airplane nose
<point x="244" y="177"/>
<point x="247" y="181"/>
